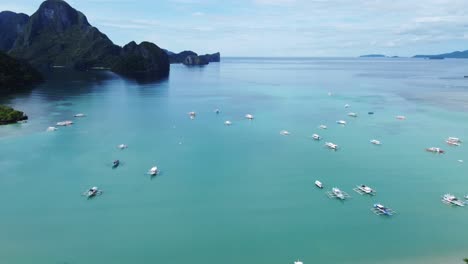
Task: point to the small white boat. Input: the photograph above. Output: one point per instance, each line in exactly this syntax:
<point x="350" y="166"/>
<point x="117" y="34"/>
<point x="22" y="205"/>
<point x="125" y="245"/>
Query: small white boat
<point x="363" y="189"/>
<point x="453" y="143"/>
<point x="338" y="193"/>
<point x="400" y="117"/>
<point x="379" y="209"/>
<point x="435" y="150"/>
<point x="50" y="129"/>
<point x="249" y="116"/>
<point x="298" y="262"/>
<point x="375" y="142"/>
<point x="316" y="137"/>
<point x="466" y="197"/>
<point x="454" y="139"/>
<point x="341" y="122"/>
<point x="461" y="161"/>
<point x="122" y="146"/>
<point x="93" y="191"/>
<point x="153" y="171"/>
<point x="452" y="200"/>
<point x="346" y="106"/>
<point x="65" y="123"/>
<point x="323" y="127"/>
<point x="192" y="115"/>
<point x="80" y="115"/>
<point x="319" y="184"/>
<point x="228" y="123"/>
<point x="285" y="133"/>
<point x="331" y="145"/>
<point x="352" y="114"/>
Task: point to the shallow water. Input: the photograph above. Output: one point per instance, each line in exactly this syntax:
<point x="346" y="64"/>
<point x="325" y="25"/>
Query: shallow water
<point x="243" y="193"/>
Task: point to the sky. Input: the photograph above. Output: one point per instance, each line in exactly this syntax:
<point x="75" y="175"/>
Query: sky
<point x="279" y="28"/>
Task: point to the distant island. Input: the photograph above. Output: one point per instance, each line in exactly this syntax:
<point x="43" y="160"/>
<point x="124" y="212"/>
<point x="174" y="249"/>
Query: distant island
<point x="451" y="55"/>
<point x="377" y="56"/>
<point x="373" y="56"/>
<point x="190" y="58"/>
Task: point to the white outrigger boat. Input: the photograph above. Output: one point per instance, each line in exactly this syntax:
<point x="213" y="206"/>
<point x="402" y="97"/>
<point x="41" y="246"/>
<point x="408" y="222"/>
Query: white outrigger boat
<point x="316" y="137"/>
<point x="50" y="129"/>
<point x="341" y="122"/>
<point x="65" y="123"/>
<point x="379" y="209"/>
<point x="364" y="189"/>
<point x="323" y="127"/>
<point x="80" y="115"/>
<point x="352" y="114"/>
<point x="92" y="192"/>
<point x="337" y="193"/>
<point x="249" y="116"/>
<point x="122" y="146"/>
<point x="454" y="139"/>
<point x="376" y="142"/>
<point x="319" y="184"/>
<point x="153" y="171"/>
<point x="435" y="150"/>
<point x="192" y="115"/>
<point x="228" y="123"/>
<point x="285" y="133"/>
<point x="452" y="200"/>
<point x="331" y="145"/>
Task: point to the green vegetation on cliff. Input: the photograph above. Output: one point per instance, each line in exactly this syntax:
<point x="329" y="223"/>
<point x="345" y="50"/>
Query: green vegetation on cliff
<point x="9" y="115"/>
<point x="16" y="74"/>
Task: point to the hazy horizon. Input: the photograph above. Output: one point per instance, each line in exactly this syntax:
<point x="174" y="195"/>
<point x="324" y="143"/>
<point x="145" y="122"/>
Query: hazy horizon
<point x="279" y="28"/>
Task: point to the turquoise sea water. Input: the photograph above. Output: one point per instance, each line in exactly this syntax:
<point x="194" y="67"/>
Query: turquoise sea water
<point x="244" y="193"/>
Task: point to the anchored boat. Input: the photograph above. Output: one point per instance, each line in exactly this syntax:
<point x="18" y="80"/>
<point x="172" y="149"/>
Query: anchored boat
<point x="375" y="142"/>
<point x="379" y="209"/>
<point x="228" y="123"/>
<point x="122" y="146"/>
<point x="341" y="122"/>
<point x="249" y="116"/>
<point x="285" y="133"/>
<point x="331" y="145"/>
<point x="452" y="200"/>
<point x="153" y="171"/>
<point x="352" y="114"/>
<point x="316" y="137"/>
<point x="92" y="192"/>
<point x="65" y="123"/>
<point x="364" y="189"/>
<point x="323" y="127"/>
<point x="319" y="184"/>
<point x="337" y="193"/>
<point x="435" y="150"/>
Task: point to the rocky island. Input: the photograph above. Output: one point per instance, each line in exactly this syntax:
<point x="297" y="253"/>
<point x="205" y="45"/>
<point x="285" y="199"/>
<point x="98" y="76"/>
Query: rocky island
<point x="191" y="58"/>
<point x="9" y="115"/>
<point x="58" y="35"/>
